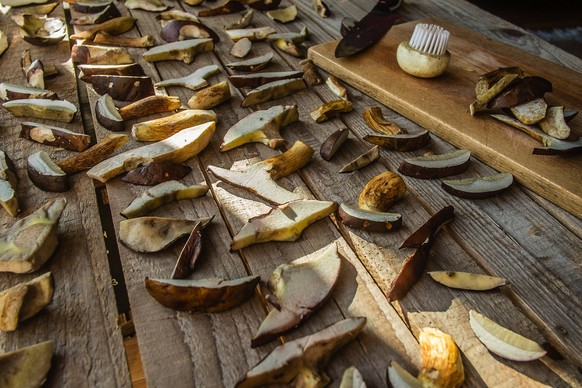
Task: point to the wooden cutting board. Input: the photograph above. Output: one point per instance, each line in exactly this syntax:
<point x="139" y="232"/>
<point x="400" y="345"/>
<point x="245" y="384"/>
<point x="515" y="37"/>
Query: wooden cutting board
<point x="442" y="104"/>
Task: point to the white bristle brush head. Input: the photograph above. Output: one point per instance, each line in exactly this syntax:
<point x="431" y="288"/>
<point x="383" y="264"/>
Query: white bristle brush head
<point x="425" y="55"/>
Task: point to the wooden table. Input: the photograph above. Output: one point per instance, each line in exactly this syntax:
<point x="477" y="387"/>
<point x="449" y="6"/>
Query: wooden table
<point x="518" y="236"/>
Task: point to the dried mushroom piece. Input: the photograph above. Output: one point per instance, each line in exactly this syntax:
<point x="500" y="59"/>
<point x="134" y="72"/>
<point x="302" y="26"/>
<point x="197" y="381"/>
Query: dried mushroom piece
<point x="252" y="64"/>
<point x="321" y="8"/>
<point x="330" y="109"/>
<point x="210" y="96"/>
<point x="45" y="174"/>
<point x="241" y="48"/>
<point x="149" y="106"/>
<point x="228" y="8"/>
<point x="244" y="21"/>
<point x="146" y="5"/>
<point x="164" y="127"/>
<point x="89" y="70"/>
<point x="57" y="110"/>
<point x="436" y="166"/>
<point x="362" y="161"/>
<point x="123" y="87"/>
<point x="54" y="136"/>
<point x="467" y="281"/>
<point x="8" y="184"/>
<point x="10" y="91"/>
<point x="374" y="118"/>
<point x="521" y="91"/>
<point x="283" y="15"/>
<point x="258" y="79"/>
<point x="478" y="187"/>
<point x="155" y="173"/>
<point x="3" y="42"/>
<point x="189" y="254"/>
<point x="40" y="30"/>
<point x="333" y="143"/>
<point x="264" y="5"/>
<point x="100" y="55"/>
<point x="530" y="112"/>
<point x="352" y="378"/>
<point x="554" y="123"/>
<point x="107" y="114"/>
<point x="336" y="86"/>
<point x="176" y="30"/>
<point x="139" y="42"/>
<point x="94" y="155"/>
<point x="194" y="81"/>
<point x="185" y="50"/>
<point x="294" y="37"/>
<point x="175" y="14"/>
<point x="273" y="91"/>
<point x="369" y="220"/>
<point x="381" y="192"/>
<point x="114" y="26"/>
<point x="288" y="47"/>
<point x="310" y="73"/>
<point x="101" y="13"/>
<point x="27" y="367"/>
<point x="253" y="34"/>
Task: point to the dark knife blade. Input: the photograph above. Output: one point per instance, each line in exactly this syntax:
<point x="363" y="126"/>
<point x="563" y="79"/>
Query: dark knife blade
<point x="368" y="30"/>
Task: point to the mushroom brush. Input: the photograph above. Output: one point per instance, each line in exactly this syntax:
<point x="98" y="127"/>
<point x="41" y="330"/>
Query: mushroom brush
<point x="425" y="55"/>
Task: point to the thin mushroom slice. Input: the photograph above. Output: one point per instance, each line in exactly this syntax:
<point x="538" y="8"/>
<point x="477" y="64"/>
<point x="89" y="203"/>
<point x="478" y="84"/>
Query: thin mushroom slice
<point x="467" y="281"/>
<point x="362" y="161"/>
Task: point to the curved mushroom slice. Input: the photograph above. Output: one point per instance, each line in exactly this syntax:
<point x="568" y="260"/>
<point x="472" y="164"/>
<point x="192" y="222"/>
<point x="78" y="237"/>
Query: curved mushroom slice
<point x="302" y="359"/>
<point x="283" y="15"/>
<point x="3" y="42"/>
<point x="288" y="47"/>
<point x="176" y="30"/>
<point x="162" y="194"/>
<point x="479" y="187"/>
<point x="114" y="26"/>
<point x="442" y="365"/>
<point x="21" y="3"/>
<point x="27" y="367"/>
<point x="436" y="166"/>
<point x="298" y="290"/>
<point x="336" y="86"/>
<point x="155" y="173"/>
<point x="147" y="5"/>
<point x="244" y="21"/>
<point x="404" y="142"/>
<point x="100" y="15"/>
<point x="369" y="220"/>
<point x="531" y="112"/>
<point x="258" y="79"/>
<point x="32" y="70"/>
<point x="333" y="143"/>
<point x="8" y="183"/>
<point x="40" y="30"/>
<point x="504" y="342"/>
<point x="241" y="48"/>
<point x="164" y="127"/>
<point x="152" y="234"/>
<point x="100" y="55"/>
<point x="150" y="105"/>
<point x="467" y="281"/>
<point x="91" y="6"/>
<point x="211" y="295"/>
<point x="400" y="378"/>
<point x="58" y="110"/>
<point x="194" y="81"/>
<point x="352" y="378"/>
<point x="185" y="50"/>
<point x="10" y="91"/>
<point x="330" y="109"/>
<point x="167" y="16"/>
<point x="260" y="177"/>
<point x="93" y="155"/>
<point x="123" y="87"/>
<point x="521" y="91"/>
<point x="310" y="73"/>
<point x="283" y="223"/>
<point x="381" y="192"/>
<point x="45" y="174"/>
<point x="189" y="254"/>
<point x="490" y="86"/>
<point x="261" y="126"/>
<point x="88" y="71"/>
<point x="25" y="300"/>
<point x="252" y="64"/>
<point x="54" y="136"/>
<point x="554" y="123"/>
<point x="210" y="97"/>
<point x="362" y="161"/>
<point x="107" y="114"/>
<point x="321" y="8"/>
<point x="375" y="120"/>
<point x="293" y="37"/>
<point x="273" y="91"/>
<point x="124" y="41"/>
<point x="252" y="34"/>
<point x="30" y="241"/>
<point x="230" y="7"/>
<point x="177" y="148"/>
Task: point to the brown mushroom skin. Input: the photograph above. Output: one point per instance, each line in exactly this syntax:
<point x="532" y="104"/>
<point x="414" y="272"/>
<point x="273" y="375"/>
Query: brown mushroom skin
<point x="522" y="91"/>
<point x="403" y="142"/>
<point x="382" y="191"/>
<point x="123" y="88"/>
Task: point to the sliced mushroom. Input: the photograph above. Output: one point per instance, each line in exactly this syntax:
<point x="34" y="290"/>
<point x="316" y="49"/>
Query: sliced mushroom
<point x="32" y="70"/>
<point x="244" y="21"/>
<point x="258" y="79"/>
<point x="88" y="71"/>
<point x="375" y="120"/>
<point x="442" y="365"/>
<point x="369" y="220"/>
<point x="54" y="136"/>
<point x="283" y="15"/>
<point x="479" y="187"/>
<point x="241" y="48"/>
<point x="150" y="105"/>
<point x="264" y="5"/>
<point x="139" y="42"/>
<point x="18" y="92"/>
<point x="310" y="73"/>
<point x="40" y="30"/>
<point x="189" y="254"/>
<point x="29" y="366"/>
<point x="194" y="81"/>
<point x="100" y="55"/>
<point x="3" y="42"/>
<point x="381" y="192"/>
<point x="155" y="173"/>
<point x="146" y="5"/>
<point x="176" y="30"/>
<point x="91" y="6"/>
<point x="230" y="7"/>
<point x="362" y="161"/>
<point x="436" y="166"/>
<point x="488" y="80"/>
<point x="336" y="86"/>
<point x="90" y="157"/>
<point x="164" y="127"/>
<point x="294" y="37"/>
<point x="522" y="91"/>
<point x="253" y="34"/>
<point x="45" y="173"/>
<point x="484" y="98"/>
<point x="330" y="109"/>
<point x="530" y="112"/>
<point x="333" y="143"/>
<point x="8" y="183"/>
<point x="123" y="87"/>
<point x="185" y="50"/>
<point x="554" y="123"/>
<point x="252" y="64"/>
<point x="321" y="8"/>
<point x="210" y="97"/>
<point x="167" y="16"/>
<point x="98" y="16"/>
<point x="107" y="114"/>
<point x="58" y="110"/>
<point x="404" y="142"/>
<point x="288" y="47"/>
<point x="273" y="90"/>
<point x="114" y="26"/>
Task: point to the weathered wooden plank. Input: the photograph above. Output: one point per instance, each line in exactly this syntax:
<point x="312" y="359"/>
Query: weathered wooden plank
<point x="82" y="318"/>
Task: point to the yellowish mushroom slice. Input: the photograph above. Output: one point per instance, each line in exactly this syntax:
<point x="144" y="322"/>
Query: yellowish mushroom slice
<point x="94" y="155"/>
<point x="244" y="21"/>
<point x="253" y="34"/>
<point x="400" y="378"/>
<point x="8" y="184"/>
<point x="26" y="367"/>
<point x="54" y="136"/>
<point x="3" y="42"/>
<point x="330" y="109"/>
<point x="45" y="174"/>
<point x="149" y="106"/>
<point x="382" y="191"/>
<point x="114" y="26"/>
<point x="362" y="161"/>
<point x="184" y="50"/>
<point x="252" y="64"/>
<point x="484" y="98"/>
<point x="210" y="96"/>
<point x="144" y="41"/>
<point x="166" y="16"/>
<point x="336" y="86"/>
<point x="467" y="281"/>
<point x="554" y="123"/>
<point x="352" y="378"/>
<point x="288" y="47"/>
<point x="100" y="55"/>
<point x="164" y="127"/>
<point x="310" y="73"/>
<point x="194" y="81"/>
<point x="146" y="5"/>
<point x="442" y="365"/>
<point x="57" y="110"/>
<point x="294" y="37"/>
<point x="273" y="91"/>
<point x="531" y="112"/>
<point x="374" y="118"/>
<point x="254" y="80"/>
<point x="241" y="48"/>
<point x="10" y="91"/>
<point x="283" y="15"/>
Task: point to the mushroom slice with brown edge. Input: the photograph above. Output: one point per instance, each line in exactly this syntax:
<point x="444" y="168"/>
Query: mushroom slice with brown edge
<point x="296" y="291"/>
<point x="29" y="242"/>
<point x="552" y="145"/>
<point x="3" y="42"/>
<point x="530" y="112"/>
<point x="258" y="79"/>
<point x="253" y="34"/>
<point x="164" y="127"/>
<point x="54" y="136"/>
<point x="25" y="300"/>
<point x="252" y="64"/>
<point x="189" y="254"/>
<point x="293" y="37"/>
<point x="352" y="378"/>
<point x="210" y="96"/>
<point x="244" y="21"/>
<point x="58" y="110"/>
<point x="273" y="91"/>
<point x="93" y="155"/>
<point x="175" y="14"/>
<point x="400" y="378"/>
<point x="176" y="30"/>
<point x="107" y="114"/>
<point x="261" y="126"/>
<point x="211" y="295"/>
<point x="100" y="55"/>
<point x="149" y="105"/>
<point x="32" y="70"/>
<point x="45" y="173"/>
<point x="91" y="6"/>
<point x="264" y="5"/>
<point x="124" y="41"/>
<point x="488" y="80"/>
<point x="177" y="148"/>
<point x="333" y="143"/>
<point x="88" y="71"/>
<point x="152" y="234"/>
<point x="436" y="166"/>
<point x="162" y="194"/>
<point x="369" y="220"/>
<point x="524" y="90"/>
<point x="194" y="81"/>
<point x="375" y="120"/>
<point x="8" y="182"/>
<point x="404" y="142"/>
<point x="467" y="281"/>
<point x="336" y="86"/>
<point x="230" y="7"/>
<point x="330" y="109"/>
<point x="283" y="15"/>
<point x="362" y="161"/>
<point x="301" y="360"/>
<point x="260" y="177"/>
<point x="104" y="14"/>
<point x="554" y="123"/>
<point x="321" y="8"/>
<point x="40" y="30"/>
<point x="241" y="48"/>
<point x="27" y="367"/>
<point x="484" y="98"/>
<point x="310" y="73"/>
<point x="114" y="26"/>
<point x="414" y="266"/>
<point x="155" y="173"/>
<point x="123" y="87"/>
<point x="288" y="47"/>
<point x="184" y="50"/>
<point x="10" y="91"/>
<point x="478" y="187"/>
<point x="283" y="223"/>
<point x="146" y="5"/>
<point x="381" y="192"/>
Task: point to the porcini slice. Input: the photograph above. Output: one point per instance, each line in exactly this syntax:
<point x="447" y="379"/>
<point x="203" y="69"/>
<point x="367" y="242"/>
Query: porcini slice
<point x="530" y="112"/>
<point x="521" y="91"/>
<point x="101" y="13"/>
<point x="273" y="91"/>
<point x="194" y="81"/>
<point x="368" y="220"/>
<point x="88" y="71"/>
<point x="298" y="289"/>
<point x="258" y="79"/>
<point x="252" y="64"/>
<point x="144" y="41"/>
<point x="91" y="156"/>
<point x="333" y="143"/>
<point x="164" y="127"/>
<point x="189" y="254"/>
<point x="27" y="367"/>
<point x="100" y="55"/>
<point x="381" y="192"/>
<point x="147" y="5"/>
<point x="107" y="114"/>
<point x="479" y="187"/>
<point x="150" y="105"/>
<point x="436" y="166"/>
<point x="554" y="123"/>
<point x="400" y="378"/>
<point x="404" y="142"/>
<point x="54" y="136"/>
<point x="241" y="48"/>
<point x="352" y="378"/>
<point x="152" y="234"/>
<point x="467" y="281"/>
<point x="288" y="47"/>
<point x="3" y="42"/>
<point x="244" y="21"/>
<point x="310" y="73"/>
<point x="10" y="91"/>
<point x="155" y="173"/>
<point x="176" y="30"/>
<point x="45" y="173"/>
<point x="40" y="30"/>
<point x="321" y="8"/>
<point x="264" y="5"/>
<point x="442" y="365"/>
<point x="202" y="295"/>
<point x="260" y="177"/>
<point x="283" y="15"/>
<point x="261" y="126"/>
<point x="486" y="96"/>
<point x="230" y="7"/>
<point x="283" y="223"/>
<point x="114" y="26"/>
<point x="330" y="109"/>
<point x="293" y="37"/>
<point x="302" y="359"/>
<point x="210" y="96"/>
<point x="123" y="87"/>
<point x="8" y="184"/>
<point x="177" y="148"/>
<point x="504" y="342"/>
<point x="362" y="161"/>
<point x="58" y="110"/>
<point x="253" y="34"/>
<point x="175" y="14"/>
<point x="374" y="118"/>
<point x="185" y="50"/>
<point x="29" y="242"/>
<point x="162" y="194"/>
<point x="91" y="6"/>
<point x="336" y="86"/>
